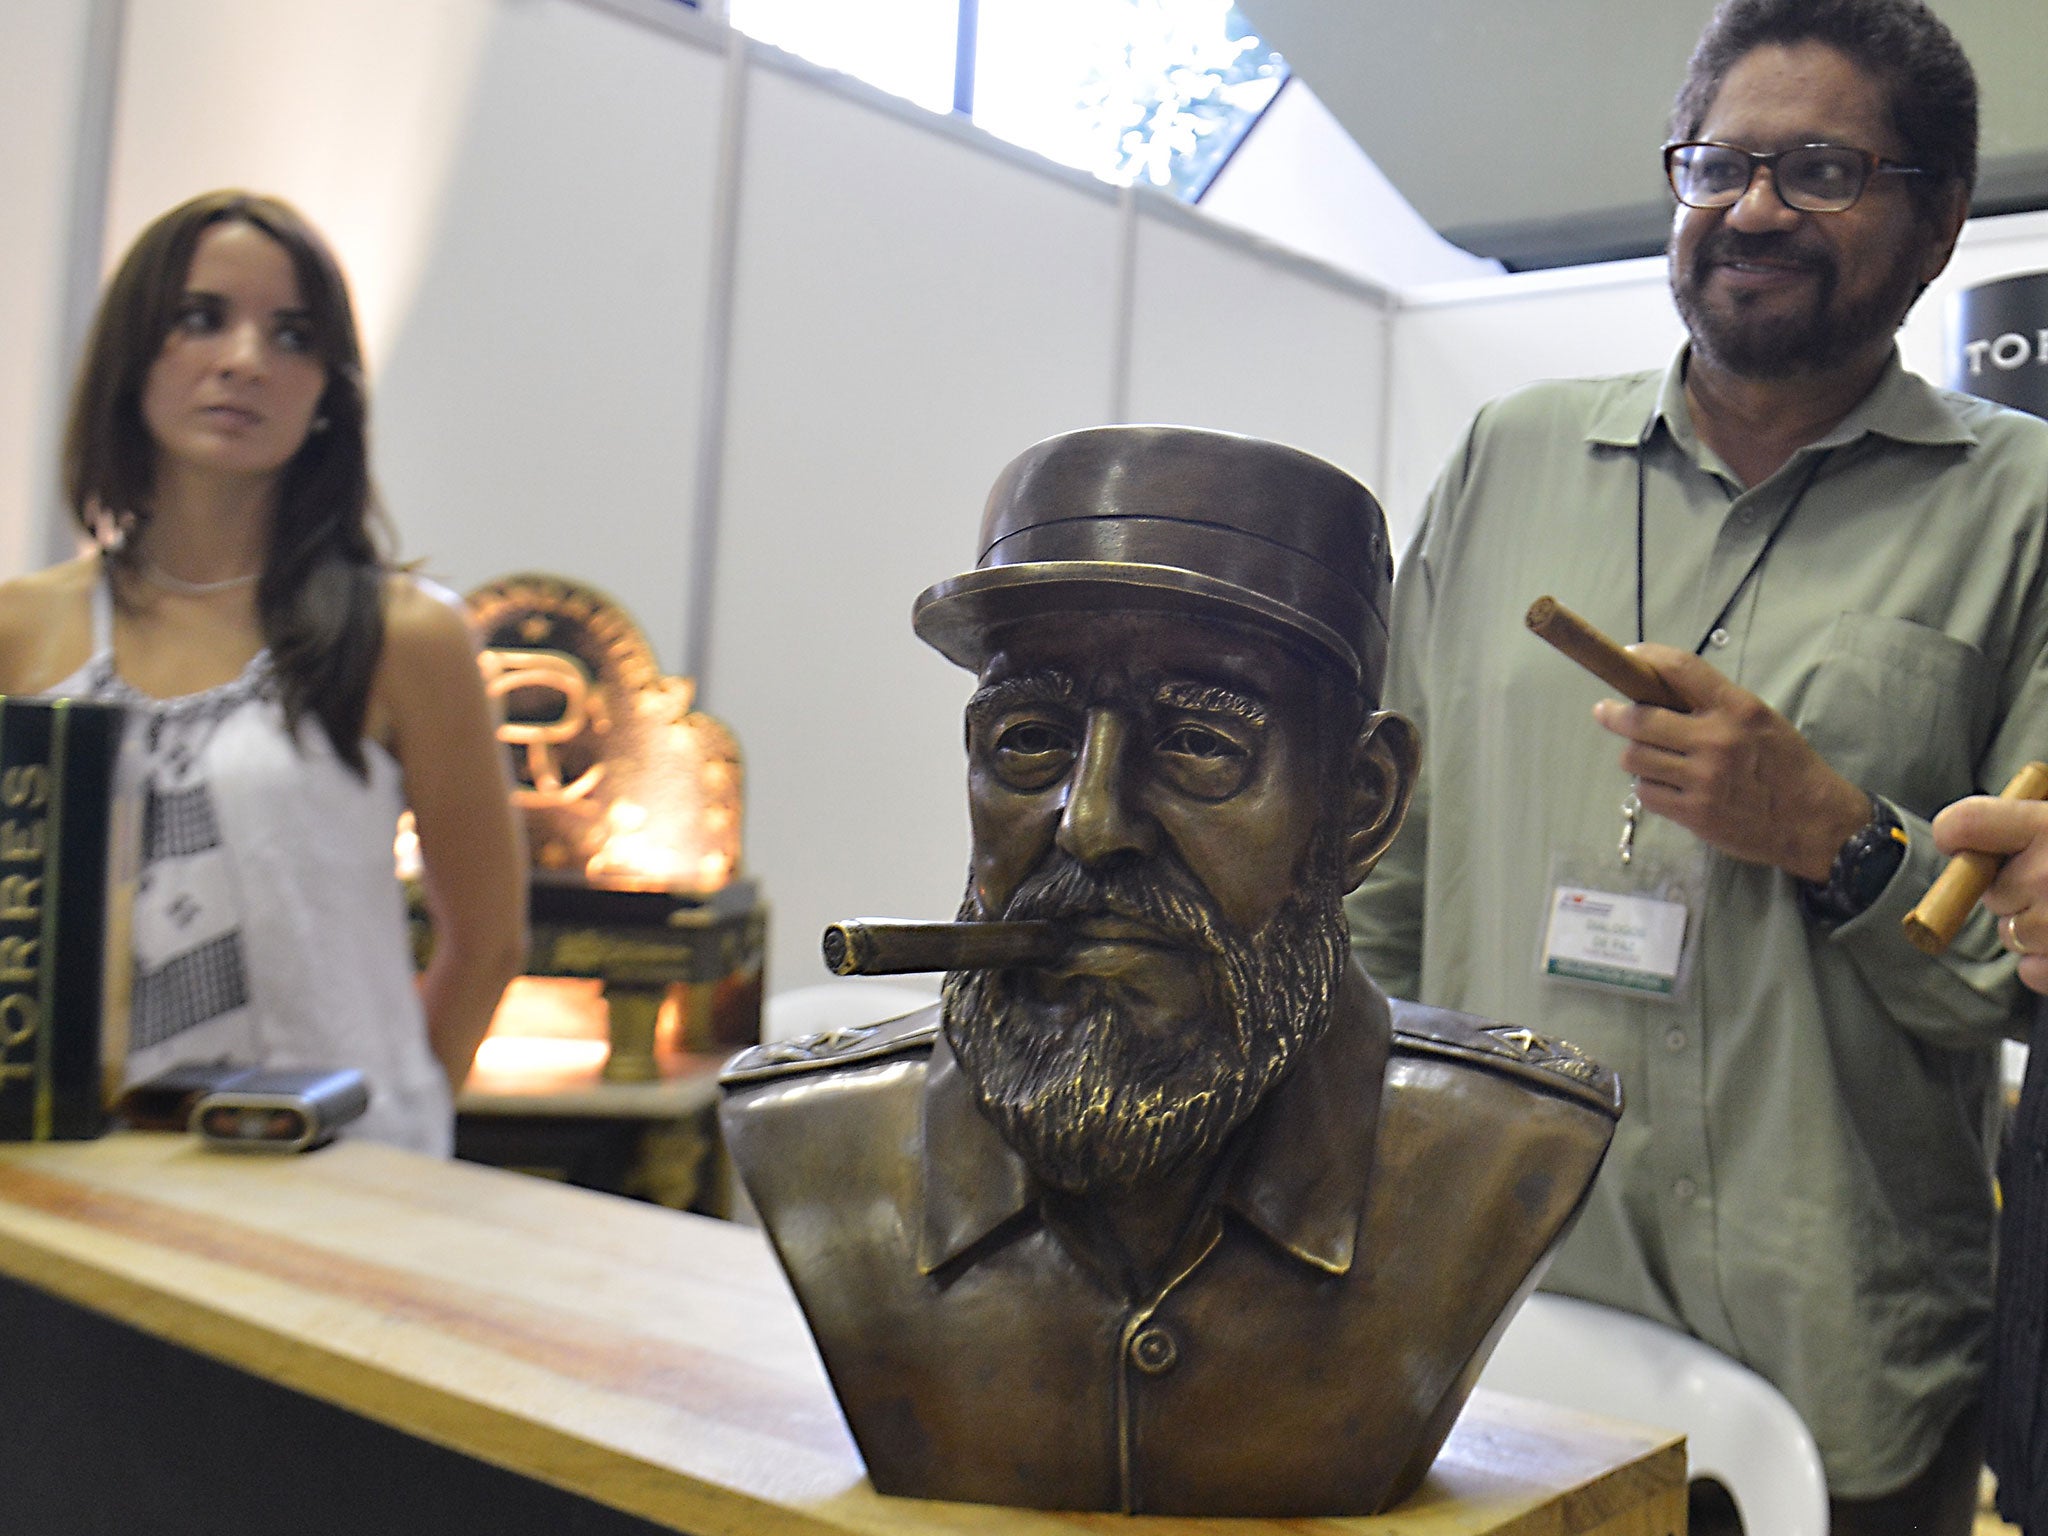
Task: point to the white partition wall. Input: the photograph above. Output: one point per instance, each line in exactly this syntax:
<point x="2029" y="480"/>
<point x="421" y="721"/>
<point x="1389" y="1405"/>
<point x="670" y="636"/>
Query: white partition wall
<point x="50" y="82"/>
<point x="538" y="407"/>
<point x="910" y="310"/>
<point x="522" y="195"/>
<point x="350" y="111"/>
<point x="1238" y="337"/>
<point x="1457" y="347"/>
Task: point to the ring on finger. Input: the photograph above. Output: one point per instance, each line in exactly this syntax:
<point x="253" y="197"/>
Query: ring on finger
<point x="2009" y="930"/>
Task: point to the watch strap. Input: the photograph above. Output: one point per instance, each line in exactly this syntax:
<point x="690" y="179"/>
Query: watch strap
<point x="1863" y="867"/>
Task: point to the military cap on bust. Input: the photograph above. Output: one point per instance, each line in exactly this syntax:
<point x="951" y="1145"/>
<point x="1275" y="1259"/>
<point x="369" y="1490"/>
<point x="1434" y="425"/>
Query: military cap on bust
<point x="1181" y="519"/>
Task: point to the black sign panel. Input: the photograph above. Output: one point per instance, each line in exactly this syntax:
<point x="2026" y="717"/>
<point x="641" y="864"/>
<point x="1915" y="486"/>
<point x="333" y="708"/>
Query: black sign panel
<point x="1998" y="346"/>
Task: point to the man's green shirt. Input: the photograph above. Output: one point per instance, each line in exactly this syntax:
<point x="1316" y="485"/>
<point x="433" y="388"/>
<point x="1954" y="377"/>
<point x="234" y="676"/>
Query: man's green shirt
<point x="1801" y="1176"/>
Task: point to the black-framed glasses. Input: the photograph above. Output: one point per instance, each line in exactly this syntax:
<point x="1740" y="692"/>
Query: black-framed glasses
<point x="1814" y="178"/>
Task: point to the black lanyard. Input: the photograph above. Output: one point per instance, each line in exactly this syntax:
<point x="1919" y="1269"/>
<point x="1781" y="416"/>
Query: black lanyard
<point x="1755" y="565"/>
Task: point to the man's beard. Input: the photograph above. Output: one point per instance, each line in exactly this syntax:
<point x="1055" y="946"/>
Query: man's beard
<point x="1752" y="346"/>
<point x="1092" y="1101"/>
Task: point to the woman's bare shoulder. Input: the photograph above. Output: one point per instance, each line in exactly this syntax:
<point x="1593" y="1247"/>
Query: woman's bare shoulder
<point x="46" y="624"/>
<point x="429" y="690"/>
<point x="422" y="616"/>
<point x="69" y="582"/>
<point x="426" y="658"/>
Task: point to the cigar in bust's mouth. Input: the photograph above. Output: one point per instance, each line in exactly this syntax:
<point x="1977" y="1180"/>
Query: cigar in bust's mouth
<point x="887" y="947"/>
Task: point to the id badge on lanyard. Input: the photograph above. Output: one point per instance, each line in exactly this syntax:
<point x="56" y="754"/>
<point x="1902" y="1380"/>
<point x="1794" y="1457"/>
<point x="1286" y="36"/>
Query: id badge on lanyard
<point x="1625" y="920"/>
<point x="1622" y="920"/>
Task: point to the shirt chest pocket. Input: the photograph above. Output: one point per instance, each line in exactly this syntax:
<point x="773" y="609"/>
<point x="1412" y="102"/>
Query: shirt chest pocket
<point x="1899" y="709"/>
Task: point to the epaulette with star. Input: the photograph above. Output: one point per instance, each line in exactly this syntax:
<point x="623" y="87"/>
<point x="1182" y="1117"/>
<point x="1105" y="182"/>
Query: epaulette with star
<point x="1544" y="1060"/>
<point x="841" y="1047"/>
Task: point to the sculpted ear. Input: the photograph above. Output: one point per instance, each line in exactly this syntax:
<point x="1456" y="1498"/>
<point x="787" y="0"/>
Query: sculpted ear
<point x="1384" y="759"/>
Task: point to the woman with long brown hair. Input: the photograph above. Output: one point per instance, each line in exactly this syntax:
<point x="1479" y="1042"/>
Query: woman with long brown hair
<point x="290" y="689"/>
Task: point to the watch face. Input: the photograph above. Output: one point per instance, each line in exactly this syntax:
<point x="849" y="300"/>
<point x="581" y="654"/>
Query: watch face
<point x="1872" y="857"/>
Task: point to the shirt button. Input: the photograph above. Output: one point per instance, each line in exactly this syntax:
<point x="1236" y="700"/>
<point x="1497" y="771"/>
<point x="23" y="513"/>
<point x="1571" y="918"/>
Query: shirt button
<point x="1685" y="1189"/>
<point x="1154" y="1352"/>
<point x="1718" y="638"/>
<point x="1674" y="1039"/>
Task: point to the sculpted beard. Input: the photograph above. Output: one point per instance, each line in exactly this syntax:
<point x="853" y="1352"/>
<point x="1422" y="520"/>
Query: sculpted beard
<point x="1827" y="336"/>
<point x="1092" y="1102"/>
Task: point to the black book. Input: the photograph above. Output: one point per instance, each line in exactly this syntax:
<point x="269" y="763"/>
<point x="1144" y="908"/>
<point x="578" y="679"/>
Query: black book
<point x="68" y="846"/>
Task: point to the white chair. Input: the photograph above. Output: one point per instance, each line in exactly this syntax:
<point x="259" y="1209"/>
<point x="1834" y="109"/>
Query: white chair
<point x="1739" y="1429"/>
<point x="844" y="1004"/>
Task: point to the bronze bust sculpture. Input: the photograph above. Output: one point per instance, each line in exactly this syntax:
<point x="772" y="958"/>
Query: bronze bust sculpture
<point x="1179" y="1216"/>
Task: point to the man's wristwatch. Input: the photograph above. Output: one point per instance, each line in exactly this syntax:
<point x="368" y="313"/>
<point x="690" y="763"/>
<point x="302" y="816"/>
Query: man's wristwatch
<point x="1863" y="867"/>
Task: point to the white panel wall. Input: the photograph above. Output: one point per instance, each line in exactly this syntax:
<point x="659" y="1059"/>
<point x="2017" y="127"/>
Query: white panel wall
<point x="538" y="408"/>
<point x="43" y="64"/>
<point x="911" y="311"/>
<point x="520" y="190"/>
<point x="1460" y="347"/>
<point x="1227" y="336"/>
<point x="349" y="111"/>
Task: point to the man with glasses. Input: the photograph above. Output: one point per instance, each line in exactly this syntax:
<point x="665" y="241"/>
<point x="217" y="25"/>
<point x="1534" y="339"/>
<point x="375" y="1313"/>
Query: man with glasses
<point x="1840" y="570"/>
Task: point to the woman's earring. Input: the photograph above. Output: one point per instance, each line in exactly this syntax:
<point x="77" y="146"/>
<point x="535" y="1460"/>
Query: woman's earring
<point x="319" y="424"/>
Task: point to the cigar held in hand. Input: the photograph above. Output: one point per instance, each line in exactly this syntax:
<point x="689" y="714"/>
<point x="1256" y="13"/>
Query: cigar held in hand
<point x="1636" y="680"/>
<point x="1933" y="925"/>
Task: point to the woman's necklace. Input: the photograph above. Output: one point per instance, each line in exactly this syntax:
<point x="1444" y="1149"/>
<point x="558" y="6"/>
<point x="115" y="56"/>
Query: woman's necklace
<point x="157" y="576"/>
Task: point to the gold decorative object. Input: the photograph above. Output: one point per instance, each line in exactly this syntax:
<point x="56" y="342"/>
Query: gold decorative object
<point x="631" y="800"/>
<point x="622" y="782"/>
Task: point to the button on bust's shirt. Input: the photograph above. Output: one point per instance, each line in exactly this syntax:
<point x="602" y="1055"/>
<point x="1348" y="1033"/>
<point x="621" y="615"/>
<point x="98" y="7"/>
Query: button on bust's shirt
<point x="1685" y="1189"/>
<point x="1153" y="1351"/>
<point x="1674" y="1039"/>
<point x="1718" y="638"/>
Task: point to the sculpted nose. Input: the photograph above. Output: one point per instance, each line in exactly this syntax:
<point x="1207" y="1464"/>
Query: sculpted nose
<point x="1099" y="822"/>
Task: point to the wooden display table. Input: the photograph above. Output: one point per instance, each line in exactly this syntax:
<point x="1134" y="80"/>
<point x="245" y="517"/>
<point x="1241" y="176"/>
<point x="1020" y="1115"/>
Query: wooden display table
<point x="645" y="1361"/>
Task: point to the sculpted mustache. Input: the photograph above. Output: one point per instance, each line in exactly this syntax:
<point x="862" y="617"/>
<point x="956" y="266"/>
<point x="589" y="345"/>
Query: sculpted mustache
<point x="1070" y="891"/>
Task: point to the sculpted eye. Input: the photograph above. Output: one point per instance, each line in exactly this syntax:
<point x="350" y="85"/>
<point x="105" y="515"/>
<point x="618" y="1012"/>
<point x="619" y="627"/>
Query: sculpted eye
<point x="1031" y="754"/>
<point x="1202" y="762"/>
<point x="1031" y="739"/>
<point x="1199" y="741"/>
